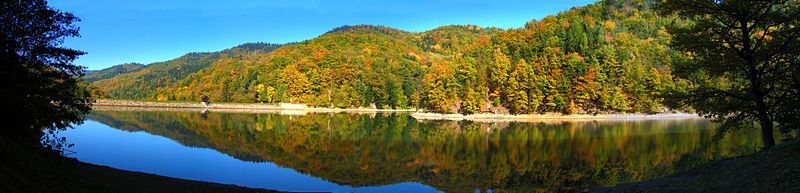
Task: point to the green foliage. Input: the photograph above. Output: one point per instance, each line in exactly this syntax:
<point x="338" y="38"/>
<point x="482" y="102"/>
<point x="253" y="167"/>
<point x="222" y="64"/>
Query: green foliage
<point x="437" y="98"/>
<point x="498" y="76"/>
<point x="517" y="96"/>
<point x="266" y="94"/>
<point x="471" y="103"/>
<point x="111" y="72"/>
<point x="742" y="61"/>
<point x="583" y="62"/>
<point x="41" y="90"/>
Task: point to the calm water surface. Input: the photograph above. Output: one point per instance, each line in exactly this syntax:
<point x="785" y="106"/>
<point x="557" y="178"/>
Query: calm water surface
<point x="395" y="152"/>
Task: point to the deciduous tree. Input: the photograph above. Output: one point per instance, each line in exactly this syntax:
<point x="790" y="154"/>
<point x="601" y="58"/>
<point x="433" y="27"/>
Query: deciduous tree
<point x="40" y="85"/>
<point x="743" y="60"/>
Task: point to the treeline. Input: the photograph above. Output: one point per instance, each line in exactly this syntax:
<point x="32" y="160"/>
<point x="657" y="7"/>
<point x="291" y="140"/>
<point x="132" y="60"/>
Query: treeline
<point x="95" y="75"/>
<point x="608" y="56"/>
<point x="611" y="56"/>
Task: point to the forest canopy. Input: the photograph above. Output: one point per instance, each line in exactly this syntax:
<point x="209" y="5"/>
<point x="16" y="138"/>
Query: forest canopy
<point x="610" y="56"/>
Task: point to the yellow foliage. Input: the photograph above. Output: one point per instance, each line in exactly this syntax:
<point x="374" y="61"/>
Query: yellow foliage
<point x="161" y="97"/>
<point x="437" y="47"/>
<point x="609" y="25"/>
<point x="762" y="34"/>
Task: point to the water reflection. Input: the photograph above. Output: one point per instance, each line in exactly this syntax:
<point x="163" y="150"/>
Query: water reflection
<point x="388" y="149"/>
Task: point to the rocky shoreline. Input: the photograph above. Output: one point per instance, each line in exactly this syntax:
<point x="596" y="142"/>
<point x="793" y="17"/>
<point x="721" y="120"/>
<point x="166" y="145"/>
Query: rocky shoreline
<point x="490" y="117"/>
<point x="236" y="107"/>
<point x="301" y="109"/>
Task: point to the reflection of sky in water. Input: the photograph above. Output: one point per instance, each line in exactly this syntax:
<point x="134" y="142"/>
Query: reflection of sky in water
<point x="143" y="152"/>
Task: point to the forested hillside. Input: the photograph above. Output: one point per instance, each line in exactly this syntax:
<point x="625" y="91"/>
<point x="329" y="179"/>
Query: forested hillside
<point x="611" y="56"/>
<point x="142" y="83"/>
<point x="111" y="72"/>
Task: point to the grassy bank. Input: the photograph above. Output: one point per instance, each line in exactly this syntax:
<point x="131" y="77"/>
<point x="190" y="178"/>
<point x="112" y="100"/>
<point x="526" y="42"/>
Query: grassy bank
<point x="773" y="170"/>
<point x="26" y="169"/>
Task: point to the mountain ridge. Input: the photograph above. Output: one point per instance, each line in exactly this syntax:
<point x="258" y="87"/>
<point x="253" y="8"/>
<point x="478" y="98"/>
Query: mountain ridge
<point x="110" y="72"/>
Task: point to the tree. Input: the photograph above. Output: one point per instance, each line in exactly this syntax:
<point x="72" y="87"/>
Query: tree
<point x="437" y="98"/>
<point x="40" y="84"/>
<point x="265" y="93"/>
<point x="471" y="102"/>
<point x="297" y="84"/>
<point x="517" y="96"/>
<point x="498" y="75"/>
<point x="742" y="60"/>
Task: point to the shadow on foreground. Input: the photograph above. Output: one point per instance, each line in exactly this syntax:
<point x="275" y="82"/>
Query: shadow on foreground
<point x="34" y="170"/>
<point x="772" y="170"/>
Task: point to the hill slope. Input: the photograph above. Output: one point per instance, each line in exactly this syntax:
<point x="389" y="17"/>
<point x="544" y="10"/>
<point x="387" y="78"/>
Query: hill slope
<point x="140" y="84"/>
<point x="111" y="72"/>
<point x="611" y="56"/>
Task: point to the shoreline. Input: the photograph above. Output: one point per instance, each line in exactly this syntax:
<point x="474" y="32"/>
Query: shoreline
<point x="236" y="107"/>
<point x="302" y="109"/>
<point x="490" y="117"/>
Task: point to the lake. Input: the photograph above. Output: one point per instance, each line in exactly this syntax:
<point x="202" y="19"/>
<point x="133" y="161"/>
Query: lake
<point x="393" y="152"/>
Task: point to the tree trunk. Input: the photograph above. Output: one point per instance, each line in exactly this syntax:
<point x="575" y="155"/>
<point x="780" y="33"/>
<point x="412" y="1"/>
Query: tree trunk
<point x="766" y="125"/>
<point x="756" y="90"/>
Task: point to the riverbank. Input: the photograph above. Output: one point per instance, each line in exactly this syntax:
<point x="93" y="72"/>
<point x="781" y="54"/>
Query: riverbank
<point x="237" y="107"/>
<point x="301" y="109"/>
<point x="490" y="117"/>
<point x="34" y="170"/>
<point x="773" y="170"/>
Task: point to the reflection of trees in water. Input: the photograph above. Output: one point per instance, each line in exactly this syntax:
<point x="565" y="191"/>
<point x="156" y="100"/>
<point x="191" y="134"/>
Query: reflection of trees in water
<point x="360" y="150"/>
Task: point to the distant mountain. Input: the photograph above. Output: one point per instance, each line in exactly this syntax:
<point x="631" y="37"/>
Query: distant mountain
<point x="140" y="84"/>
<point x="611" y="56"/>
<point x="110" y="72"/>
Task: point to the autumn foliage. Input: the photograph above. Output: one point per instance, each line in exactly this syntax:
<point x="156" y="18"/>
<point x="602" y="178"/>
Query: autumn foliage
<point x="604" y="57"/>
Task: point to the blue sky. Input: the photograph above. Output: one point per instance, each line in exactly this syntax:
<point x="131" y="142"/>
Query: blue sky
<point x="146" y="31"/>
